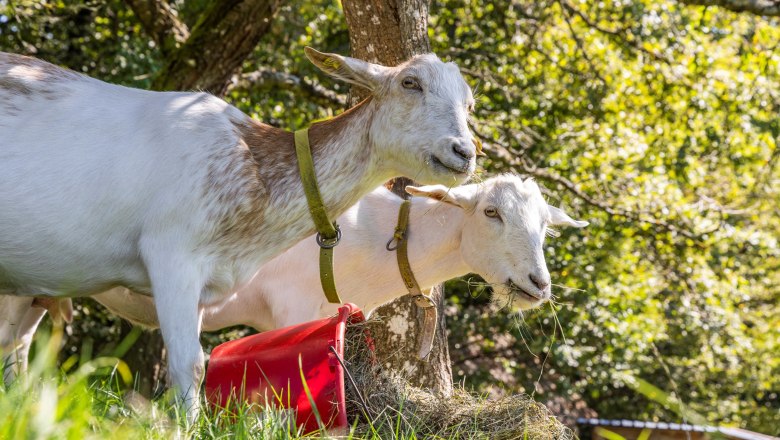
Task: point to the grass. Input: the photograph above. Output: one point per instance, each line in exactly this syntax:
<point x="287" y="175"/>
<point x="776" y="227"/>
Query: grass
<point x="89" y="401"/>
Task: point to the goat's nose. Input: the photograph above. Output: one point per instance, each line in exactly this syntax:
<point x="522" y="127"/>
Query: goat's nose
<point x="463" y="150"/>
<point x="539" y="282"/>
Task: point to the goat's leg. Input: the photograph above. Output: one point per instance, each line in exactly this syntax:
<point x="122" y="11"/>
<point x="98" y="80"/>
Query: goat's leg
<point x="176" y="297"/>
<point x="25" y="332"/>
<point x="18" y="321"/>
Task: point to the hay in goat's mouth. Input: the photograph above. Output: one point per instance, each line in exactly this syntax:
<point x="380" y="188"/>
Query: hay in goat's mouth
<point x="381" y="402"/>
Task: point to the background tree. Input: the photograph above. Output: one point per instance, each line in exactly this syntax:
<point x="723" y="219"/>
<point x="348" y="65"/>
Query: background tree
<point x="655" y="122"/>
<point x="759" y="7"/>
<point x="390" y="32"/>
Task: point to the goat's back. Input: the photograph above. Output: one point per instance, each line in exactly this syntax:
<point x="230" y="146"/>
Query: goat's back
<point x="87" y="168"/>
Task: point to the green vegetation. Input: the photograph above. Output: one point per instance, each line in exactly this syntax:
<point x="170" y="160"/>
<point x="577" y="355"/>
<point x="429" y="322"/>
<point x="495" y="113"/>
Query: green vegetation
<point x="91" y="402"/>
<point x="658" y="123"/>
<point x="654" y="120"/>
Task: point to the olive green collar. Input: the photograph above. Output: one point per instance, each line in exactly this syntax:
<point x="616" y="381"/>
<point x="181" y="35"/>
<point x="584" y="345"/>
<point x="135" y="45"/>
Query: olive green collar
<point x="423" y="302"/>
<point x="328" y="233"/>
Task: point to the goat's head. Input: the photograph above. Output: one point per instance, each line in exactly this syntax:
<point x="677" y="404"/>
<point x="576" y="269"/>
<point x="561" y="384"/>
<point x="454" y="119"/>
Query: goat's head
<point x="503" y="235"/>
<point x="421" y="116"/>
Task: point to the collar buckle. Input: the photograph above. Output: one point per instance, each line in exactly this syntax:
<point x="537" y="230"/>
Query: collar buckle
<point x="329" y="243"/>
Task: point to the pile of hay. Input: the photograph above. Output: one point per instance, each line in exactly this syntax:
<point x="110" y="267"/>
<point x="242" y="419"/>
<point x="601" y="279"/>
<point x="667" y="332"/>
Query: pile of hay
<point x="382" y="404"/>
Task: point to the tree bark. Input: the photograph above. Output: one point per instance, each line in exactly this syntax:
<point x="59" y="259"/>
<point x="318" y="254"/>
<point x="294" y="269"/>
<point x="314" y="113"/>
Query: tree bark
<point x="161" y="23"/>
<point x="769" y="8"/>
<point x="389" y="32"/>
<point x="224" y="36"/>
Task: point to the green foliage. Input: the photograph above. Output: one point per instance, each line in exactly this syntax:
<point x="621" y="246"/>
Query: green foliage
<point x="655" y="121"/>
<point x="89" y="403"/>
<point x="317" y="24"/>
<point x="45" y="404"/>
<point x="101" y="39"/>
<point x="662" y="120"/>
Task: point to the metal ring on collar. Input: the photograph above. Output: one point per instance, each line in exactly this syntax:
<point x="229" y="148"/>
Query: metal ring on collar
<point x="390" y="246"/>
<point x="329" y="243"/>
<point x="423" y="301"/>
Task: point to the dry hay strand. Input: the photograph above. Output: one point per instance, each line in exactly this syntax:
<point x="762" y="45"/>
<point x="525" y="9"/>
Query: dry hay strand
<point x="383" y="404"/>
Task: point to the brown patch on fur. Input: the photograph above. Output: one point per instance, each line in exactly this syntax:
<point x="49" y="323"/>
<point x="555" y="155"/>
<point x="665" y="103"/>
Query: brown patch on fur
<point x="273" y="149"/>
<point x="236" y="194"/>
<point x="14" y="86"/>
<point x="326" y="132"/>
<point x="243" y="181"/>
<point x="22" y="76"/>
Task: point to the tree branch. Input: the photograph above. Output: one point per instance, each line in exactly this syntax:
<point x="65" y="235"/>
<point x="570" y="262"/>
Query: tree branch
<point x="502" y="153"/>
<point x="757" y="7"/>
<point x="266" y="79"/>
<point x="581" y="47"/>
<point x="615" y="34"/>
<point x="225" y="35"/>
<point x="546" y="174"/>
<point x="161" y="23"/>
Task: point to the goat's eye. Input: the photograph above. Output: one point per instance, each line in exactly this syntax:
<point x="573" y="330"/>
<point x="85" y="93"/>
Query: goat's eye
<point x="411" y="83"/>
<point x="491" y="212"/>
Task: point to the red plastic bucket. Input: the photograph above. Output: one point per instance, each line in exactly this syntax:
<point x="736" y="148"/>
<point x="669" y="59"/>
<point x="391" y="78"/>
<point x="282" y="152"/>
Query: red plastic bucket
<point x="265" y="368"/>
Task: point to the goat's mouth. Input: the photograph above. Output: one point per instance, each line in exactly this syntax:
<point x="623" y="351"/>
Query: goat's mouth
<point x="463" y="169"/>
<point x="517" y="290"/>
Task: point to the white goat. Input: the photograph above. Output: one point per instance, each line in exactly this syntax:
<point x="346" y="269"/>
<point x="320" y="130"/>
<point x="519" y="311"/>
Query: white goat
<point x="182" y="196"/>
<point x="495" y="229"/>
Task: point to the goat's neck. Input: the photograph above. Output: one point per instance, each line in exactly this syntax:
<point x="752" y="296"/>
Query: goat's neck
<point x="344" y="163"/>
<point x="434" y="236"/>
<point x="346" y="168"/>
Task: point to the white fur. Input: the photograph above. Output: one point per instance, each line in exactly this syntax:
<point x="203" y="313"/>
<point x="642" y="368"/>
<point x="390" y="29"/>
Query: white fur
<point x="103" y="185"/>
<point x="445" y="240"/>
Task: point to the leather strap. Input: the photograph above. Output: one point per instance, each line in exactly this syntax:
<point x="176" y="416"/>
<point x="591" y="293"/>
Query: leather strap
<point x="328" y="234"/>
<point x="422" y="301"/>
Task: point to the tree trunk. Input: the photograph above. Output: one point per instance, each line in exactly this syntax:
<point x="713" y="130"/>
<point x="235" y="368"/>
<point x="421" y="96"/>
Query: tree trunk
<point x="161" y="23"/>
<point x="225" y="35"/>
<point x="389" y="32"/>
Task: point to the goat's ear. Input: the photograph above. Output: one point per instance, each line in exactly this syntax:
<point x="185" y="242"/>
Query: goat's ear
<point x="457" y="196"/>
<point x="560" y="218"/>
<point x="351" y="70"/>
